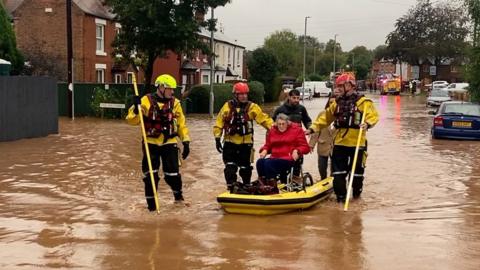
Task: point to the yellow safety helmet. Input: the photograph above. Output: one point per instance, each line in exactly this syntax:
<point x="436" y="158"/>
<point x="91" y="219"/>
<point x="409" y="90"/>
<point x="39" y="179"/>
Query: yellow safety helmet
<point x="166" y="80"/>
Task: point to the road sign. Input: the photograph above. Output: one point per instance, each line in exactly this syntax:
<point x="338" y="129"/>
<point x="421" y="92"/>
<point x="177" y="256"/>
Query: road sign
<point x="112" y="105"/>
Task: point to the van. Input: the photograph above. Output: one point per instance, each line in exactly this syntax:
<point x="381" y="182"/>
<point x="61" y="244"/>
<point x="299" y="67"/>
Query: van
<point x="319" y="88"/>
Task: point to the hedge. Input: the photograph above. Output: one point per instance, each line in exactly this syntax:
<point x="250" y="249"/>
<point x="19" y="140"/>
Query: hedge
<point x="198" y="98"/>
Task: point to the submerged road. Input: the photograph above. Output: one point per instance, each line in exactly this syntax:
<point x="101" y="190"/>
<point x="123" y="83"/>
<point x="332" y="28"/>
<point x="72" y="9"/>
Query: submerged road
<point x="75" y="201"/>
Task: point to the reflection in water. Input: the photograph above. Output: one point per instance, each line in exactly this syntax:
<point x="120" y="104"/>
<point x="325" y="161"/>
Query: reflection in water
<point x="75" y="200"/>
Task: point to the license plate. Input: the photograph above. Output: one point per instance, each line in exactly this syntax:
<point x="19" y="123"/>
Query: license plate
<point x="461" y="124"/>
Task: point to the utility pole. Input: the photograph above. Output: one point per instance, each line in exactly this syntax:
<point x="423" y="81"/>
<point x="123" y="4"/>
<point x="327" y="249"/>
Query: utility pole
<point x="334" y="51"/>
<point x="70" y="102"/>
<point x="304" y="52"/>
<point x="314" y="59"/>
<point x="212" y="63"/>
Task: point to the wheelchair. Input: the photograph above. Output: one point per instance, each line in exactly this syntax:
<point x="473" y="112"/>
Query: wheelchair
<point x="289" y="184"/>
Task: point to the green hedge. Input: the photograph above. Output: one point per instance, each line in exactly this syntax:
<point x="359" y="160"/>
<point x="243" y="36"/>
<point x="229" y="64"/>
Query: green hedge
<point x="89" y="95"/>
<point x="198" y="98"/>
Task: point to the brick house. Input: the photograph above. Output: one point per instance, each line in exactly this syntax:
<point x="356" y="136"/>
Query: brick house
<point x="40" y="28"/>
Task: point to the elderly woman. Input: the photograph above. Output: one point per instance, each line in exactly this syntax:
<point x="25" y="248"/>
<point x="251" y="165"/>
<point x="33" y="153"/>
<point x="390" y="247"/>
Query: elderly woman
<point x="285" y="143"/>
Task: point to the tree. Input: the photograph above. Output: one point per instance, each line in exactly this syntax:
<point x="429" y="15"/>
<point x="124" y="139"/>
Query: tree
<point x="263" y="67"/>
<point x="473" y="68"/>
<point x="152" y="28"/>
<point x="380" y="52"/>
<point x="474" y="12"/>
<point x="360" y="60"/>
<point x="285" y="46"/>
<point x="429" y="32"/>
<point x="8" y="45"/>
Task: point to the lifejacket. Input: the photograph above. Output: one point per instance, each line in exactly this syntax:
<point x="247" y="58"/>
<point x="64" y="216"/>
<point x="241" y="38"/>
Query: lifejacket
<point x="347" y="114"/>
<point x="161" y="121"/>
<point x="238" y="122"/>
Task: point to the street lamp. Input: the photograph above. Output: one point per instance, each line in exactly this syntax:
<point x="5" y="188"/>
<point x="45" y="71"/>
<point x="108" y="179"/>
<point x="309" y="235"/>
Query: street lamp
<point x="304" y="51"/>
<point x="334" y="50"/>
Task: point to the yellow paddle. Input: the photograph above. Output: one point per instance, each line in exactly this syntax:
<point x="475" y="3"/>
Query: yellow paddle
<point x="147" y="151"/>
<point x="354" y="165"/>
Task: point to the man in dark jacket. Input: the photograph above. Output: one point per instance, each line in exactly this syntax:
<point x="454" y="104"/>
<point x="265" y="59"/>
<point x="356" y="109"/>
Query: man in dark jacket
<point x="294" y="110"/>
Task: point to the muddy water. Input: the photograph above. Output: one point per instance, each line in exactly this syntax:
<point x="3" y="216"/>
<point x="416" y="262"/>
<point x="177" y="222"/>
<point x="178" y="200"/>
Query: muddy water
<point x="75" y="200"/>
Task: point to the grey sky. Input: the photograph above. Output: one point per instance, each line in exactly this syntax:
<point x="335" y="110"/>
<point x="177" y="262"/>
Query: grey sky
<point x="357" y="22"/>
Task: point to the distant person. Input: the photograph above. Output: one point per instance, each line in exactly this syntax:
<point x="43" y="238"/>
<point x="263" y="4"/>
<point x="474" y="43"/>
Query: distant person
<point x="235" y="123"/>
<point x="164" y="122"/>
<point x="414" y="87"/>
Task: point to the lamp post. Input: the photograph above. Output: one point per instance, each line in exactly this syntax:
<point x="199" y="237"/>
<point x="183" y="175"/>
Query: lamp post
<point x="212" y="63"/>
<point x="334" y="51"/>
<point x="304" y="52"/>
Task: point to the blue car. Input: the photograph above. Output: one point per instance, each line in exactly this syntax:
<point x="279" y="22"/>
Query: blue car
<point x="457" y="120"/>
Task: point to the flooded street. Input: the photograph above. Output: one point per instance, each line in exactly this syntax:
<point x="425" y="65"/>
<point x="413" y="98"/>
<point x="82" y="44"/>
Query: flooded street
<point x="75" y="200"/>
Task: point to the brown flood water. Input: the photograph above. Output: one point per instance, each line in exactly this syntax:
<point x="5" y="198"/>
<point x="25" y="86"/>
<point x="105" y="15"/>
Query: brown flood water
<point x="75" y="200"/>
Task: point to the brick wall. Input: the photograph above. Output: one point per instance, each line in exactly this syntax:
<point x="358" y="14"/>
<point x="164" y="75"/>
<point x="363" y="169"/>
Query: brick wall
<point x="40" y="27"/>
<point x="90" y="56"/>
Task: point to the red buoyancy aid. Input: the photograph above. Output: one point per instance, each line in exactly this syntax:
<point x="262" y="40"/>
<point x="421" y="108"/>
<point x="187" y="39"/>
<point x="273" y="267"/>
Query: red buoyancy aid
<point x="238" y="121"/>
<point x="161" y="121"/>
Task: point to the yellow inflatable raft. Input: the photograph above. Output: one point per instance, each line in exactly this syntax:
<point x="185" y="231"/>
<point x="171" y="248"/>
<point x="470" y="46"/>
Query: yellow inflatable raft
<point x="276" y="203"/>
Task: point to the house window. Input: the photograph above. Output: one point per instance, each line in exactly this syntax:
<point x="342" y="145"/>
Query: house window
<point x="238" y="58"/>
<point x="218" y="78"/>
<point x="426" y="68"/>
<point x="118" y="78"/>
<point x="129" y="77"/>
<point x="100" y="39"/>
<point x="205" y="79"/>
<point x="100" y="75"/>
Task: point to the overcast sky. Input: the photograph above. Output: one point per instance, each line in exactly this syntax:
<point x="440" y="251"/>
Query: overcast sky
<point x="357" y="22"/>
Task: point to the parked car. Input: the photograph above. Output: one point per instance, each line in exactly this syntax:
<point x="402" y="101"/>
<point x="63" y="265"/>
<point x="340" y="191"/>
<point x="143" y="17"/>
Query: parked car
<point x="437" y="97"/>
<point x="305" y="93"/>
<point x="457" y="87"/>
<point x="436" y="85"/>
<point x="457" y="120"/>
<point x="320" y="88"/>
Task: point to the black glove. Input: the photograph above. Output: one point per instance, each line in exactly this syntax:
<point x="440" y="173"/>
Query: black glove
<point x="218" y="145"/>
<point x="136" y="102"/>
<point x="186" y="150"/>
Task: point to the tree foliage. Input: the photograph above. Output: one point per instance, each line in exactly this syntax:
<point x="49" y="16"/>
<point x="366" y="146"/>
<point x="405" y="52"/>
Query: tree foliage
<point x="8" y="44"/>
<point x="428" y="31"/>
<point x="360" y="61"/>
<point x="152" y="28"/>
<point x="285" y="47"/>
<point x="263" y="67"/>
<point x="473" y="68"/>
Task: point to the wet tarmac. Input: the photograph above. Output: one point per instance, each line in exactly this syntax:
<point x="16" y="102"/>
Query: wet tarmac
<point x="75" y="201"/>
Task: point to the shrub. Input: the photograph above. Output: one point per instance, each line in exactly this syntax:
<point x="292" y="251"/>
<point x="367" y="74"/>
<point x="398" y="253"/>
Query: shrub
<point x="112" y="95"/>
<point x="198" y="98"/>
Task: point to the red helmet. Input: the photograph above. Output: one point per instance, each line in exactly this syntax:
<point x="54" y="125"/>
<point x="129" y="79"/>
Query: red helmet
<point x="344" y="78"/>
<point x="240" y="88"/>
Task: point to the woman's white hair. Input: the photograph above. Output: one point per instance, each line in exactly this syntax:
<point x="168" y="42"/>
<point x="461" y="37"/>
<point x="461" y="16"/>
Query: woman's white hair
<point x="282" y="116"/>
